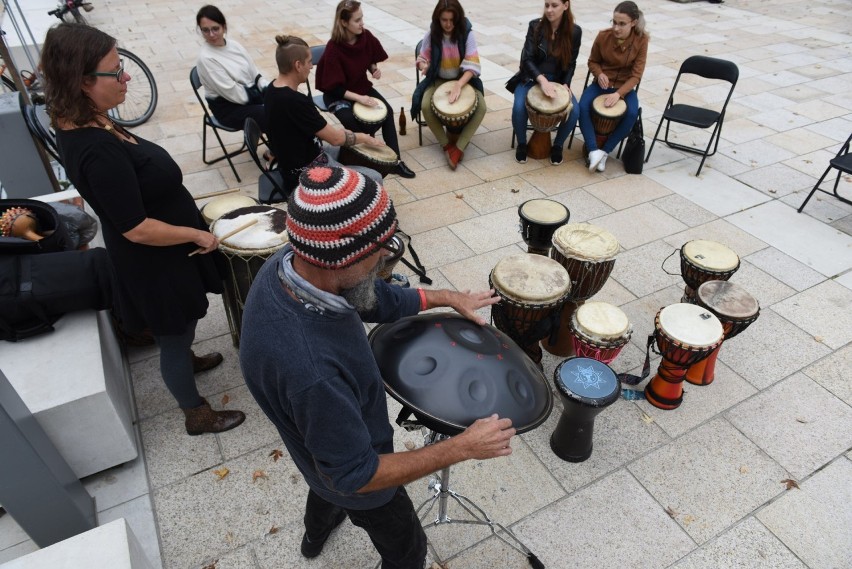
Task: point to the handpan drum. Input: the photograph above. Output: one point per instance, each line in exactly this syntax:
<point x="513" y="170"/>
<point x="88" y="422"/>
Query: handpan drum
<point x="450" y="372"/>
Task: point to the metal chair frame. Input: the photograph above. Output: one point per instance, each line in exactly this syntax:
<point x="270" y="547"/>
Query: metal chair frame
<point x="269" y="183"/>
<point x="842" y="162"/>
<point x="316" y="54"/>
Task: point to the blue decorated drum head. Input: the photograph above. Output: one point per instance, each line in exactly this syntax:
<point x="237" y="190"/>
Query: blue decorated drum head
<point x="587" y="381"/>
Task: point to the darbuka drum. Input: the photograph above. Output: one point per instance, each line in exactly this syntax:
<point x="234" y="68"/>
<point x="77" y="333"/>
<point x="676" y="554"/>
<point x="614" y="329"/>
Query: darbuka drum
<point x="370" y="117"/>
<point x="702" y="261"/>
<point x="450" y="372"/>
<point x="398" y="245"/>
<point x="546" y="114"/>
<point x="606" y="119"/>
<point x="218" y="206"/>
<point x="588" y="254"/>
<point x="382" y="159"/>
<point x="685" y="335"/>
<point x="540" y="218"/>
<point x="599" y="331"/>
<point x="586" y="387"/>
<point x="457" y="114"/>
<point x="533" y="290"/>
<point x="246" y="252"/>
<point x="735" y="308"/>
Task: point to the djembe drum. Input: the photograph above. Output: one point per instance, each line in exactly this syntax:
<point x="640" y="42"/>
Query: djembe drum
<point x="599" y="331"/>
<point x="246" y="252"/>
<point x="219" y="206"/>
<point x="735" y="308"/>
<point x="702" y="261"/>
<point x="588" y="254"/>
<point x="606" y="119"/>
<point x="586" y="387"/>
<point x="533" y="289"/>
<point x="371" y="118"/>
<point x="454" y="116"/>
<point x="540" y="218"/>
<point x="546" y="114"/>
<point x="685" y="335"/>
<point x="382" y="159"/>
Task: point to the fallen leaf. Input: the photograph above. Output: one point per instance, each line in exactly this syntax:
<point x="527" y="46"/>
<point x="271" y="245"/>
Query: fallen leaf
<point x="211" y="565"/>
<point x="671" y="512"/>
<point x="272" y="530"/>
<point x="819" y="338"/>
<point x="743" y="469"/>
<point x="647" y="418"/>
<point x="409" y="445"/>
<point x="258" y="474"/>
<point x="225" y="399"/>
<point x="459" y="196"/>
<point x="222" y="472"/>
<point x="515" y="190"/>
<point x="773" y="191"/>
<point x="294" y="478"/>
<point x="229" y="538"/>
<point x="276" y="454"/>
<point x="687" y="519"/>
<point x="790" y="484"/>
<point x="801" y="420"/>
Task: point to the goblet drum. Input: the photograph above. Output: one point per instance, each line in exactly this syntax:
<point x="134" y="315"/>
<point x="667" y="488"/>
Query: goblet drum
<point x="702" y="261"/>
<point x="600" y="330"/>
<point x="605" y="119"/>
<point x="545" y="114"/>
<point x="540" y="218"/>
<point x="457" y="114"/>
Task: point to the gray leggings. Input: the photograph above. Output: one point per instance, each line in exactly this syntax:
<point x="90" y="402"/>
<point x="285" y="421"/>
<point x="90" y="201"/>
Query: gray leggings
<point x="176" y="366"/>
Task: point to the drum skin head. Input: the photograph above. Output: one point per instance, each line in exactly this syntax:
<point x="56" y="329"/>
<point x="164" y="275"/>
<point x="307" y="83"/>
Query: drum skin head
<point x="218" y="206"/>
<point x="546" y="105"/>
<point x="270" y="231"/>
<point x="370" y="114"/>
<point x="462" y="105"/>
<point x="618" y="109"/>
<point x="601" y="321"/>
<point x="728" y="300"/>
<point x="530" y="278"/>
<point x="379" y="153"/>
<point x="585" y="241"/>
<point x="451" y="372"/>
<point x="711" y="255"/>
<point x="587" y="381"/>
<point x="691" y="325"/>
<point x="544" y="211"/>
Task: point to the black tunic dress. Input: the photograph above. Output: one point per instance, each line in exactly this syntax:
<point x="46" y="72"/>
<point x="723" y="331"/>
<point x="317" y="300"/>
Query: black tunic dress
<point x="161" y="288"/>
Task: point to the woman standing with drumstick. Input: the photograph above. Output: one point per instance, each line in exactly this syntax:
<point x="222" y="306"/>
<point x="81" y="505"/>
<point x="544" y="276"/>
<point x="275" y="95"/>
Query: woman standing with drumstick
<point x="449" y="53"/>
<point x="350" y="54"/>
<point x="617" y="62"/>
<point x="549" y="56"/>
<point x="150" y="221"/>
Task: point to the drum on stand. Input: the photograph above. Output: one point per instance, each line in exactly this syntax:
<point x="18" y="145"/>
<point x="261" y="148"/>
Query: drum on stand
<point x="454" y="116"/>
<point x="606" y="119"/>
<point x="533" y="289"/>
<point x="246" y="252"/>
<point x="546" y="114"/>
<point x="218" y="206"/>
<point x="685" y="335"/>
<point x="586" y="387"/>
<point x="370" y="117"/>
<point x="382" y="159"/>
<point x="702" y="261"/>
<point x="735" y="308"/>
<point x="599" y="331"/>
<point x="588" y="254"/>
<point x="540" y="218"/>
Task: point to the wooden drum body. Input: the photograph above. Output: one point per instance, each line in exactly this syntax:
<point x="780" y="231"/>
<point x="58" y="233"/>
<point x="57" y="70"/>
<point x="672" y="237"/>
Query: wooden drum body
<point x="371" y="118"/>
<point x="455" y="115"/>
<point x="588" y="254"/>
<point x="533" y="289"/>
<point x="546" y="114"/>
<point x="735" y="308"/>
<point x="599" y="331"/>
<point x="702" y="261"/>
<point x="540" y="218"/>
<point x="606" y="119"/>
<point x="685" y="335"/>
<point x="246" y="252"/>
<point x="382" y="159"/>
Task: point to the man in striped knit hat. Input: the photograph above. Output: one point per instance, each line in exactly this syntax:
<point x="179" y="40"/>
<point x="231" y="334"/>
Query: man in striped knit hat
<point x="306" y="360"/>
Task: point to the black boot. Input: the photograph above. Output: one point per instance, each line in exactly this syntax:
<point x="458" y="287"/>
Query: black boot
<point x="205" y="362"/>
<point x="203" y="419"/>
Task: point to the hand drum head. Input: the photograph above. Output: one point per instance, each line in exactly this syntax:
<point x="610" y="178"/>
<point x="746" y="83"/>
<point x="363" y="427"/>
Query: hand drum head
<point x="451" y="372"/>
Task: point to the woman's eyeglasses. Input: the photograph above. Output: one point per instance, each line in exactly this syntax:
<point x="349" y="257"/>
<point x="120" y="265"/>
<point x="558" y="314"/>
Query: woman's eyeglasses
<point x="119" y="75"/>
<point x="211" y="30"/>
<point x="616" y="24"/>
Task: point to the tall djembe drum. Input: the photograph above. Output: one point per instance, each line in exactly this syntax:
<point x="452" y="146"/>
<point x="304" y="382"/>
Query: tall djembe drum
<point x="540" y="218"/>
<point x="546" y="114"/>
<point x="701" y="261"/>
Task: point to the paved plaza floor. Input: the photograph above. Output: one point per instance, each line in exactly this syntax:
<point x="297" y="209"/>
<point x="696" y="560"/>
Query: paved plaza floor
<point x="705" y="485"/>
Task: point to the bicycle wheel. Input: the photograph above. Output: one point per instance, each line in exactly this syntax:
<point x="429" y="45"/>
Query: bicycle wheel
<point x="141" y="98"/>
<point x="8" y="86"/>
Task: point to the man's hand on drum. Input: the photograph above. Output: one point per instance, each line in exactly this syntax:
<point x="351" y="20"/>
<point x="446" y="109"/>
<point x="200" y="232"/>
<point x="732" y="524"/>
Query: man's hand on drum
<point x="486" y="438"/>
<point x="603" y="81"/>
<point x="611" y="99"/>
<point x="467" y="303"/>
<point x="206" y="242"/>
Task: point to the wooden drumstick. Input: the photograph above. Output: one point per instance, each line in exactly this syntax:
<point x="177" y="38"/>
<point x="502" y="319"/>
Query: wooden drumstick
<point x="228" y="235"/>
<point x="218" y="193"/>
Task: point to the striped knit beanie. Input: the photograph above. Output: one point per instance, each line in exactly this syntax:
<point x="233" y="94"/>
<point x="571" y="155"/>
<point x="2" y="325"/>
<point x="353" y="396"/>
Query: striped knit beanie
<point x="337" y="217"/>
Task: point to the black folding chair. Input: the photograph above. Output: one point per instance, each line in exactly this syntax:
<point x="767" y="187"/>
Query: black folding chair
<point x="699" y="117"/>
<point x="38" y="124"/>
<point x="270" y="184"/>
<point x="842" y="162"/>
<point x="316" y="55"/>
<point x="210" y="121"/>
<point x="419" y="120"/>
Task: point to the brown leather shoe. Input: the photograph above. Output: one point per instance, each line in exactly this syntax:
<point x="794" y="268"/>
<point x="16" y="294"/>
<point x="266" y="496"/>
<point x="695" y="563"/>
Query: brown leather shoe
<point x="205" y="362"/>
<point x="203" y="419"/>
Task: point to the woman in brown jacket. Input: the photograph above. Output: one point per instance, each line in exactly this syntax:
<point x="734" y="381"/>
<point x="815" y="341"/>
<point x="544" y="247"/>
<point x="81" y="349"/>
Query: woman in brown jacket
<point x="617" y="62"/>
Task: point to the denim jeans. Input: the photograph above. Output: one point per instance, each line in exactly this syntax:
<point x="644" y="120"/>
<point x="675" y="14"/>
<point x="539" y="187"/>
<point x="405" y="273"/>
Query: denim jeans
<point x="520" y="116"/>
<point x="622" y="130"/>
<point x="393" y="528"/>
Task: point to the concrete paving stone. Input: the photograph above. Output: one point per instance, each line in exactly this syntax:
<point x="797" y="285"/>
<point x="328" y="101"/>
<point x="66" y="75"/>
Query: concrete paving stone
<point x="801" y="140"/>
<point x="641" y="272"/>
<point x="719" y="230"/>
<point x="436" y="248"/>
<point x="581" y="205"/>
<point x="200" y="183"/>
<point x="781" y="120"/>
<point x="139" y="515"/>
<point x="748" y="544"/>
<point x="815" y="163"/>
<point x="771" y="349"/>
<point x="241" y="558"/>
<point x="118" y="484"/>
<point x="11" y="533"/>
<point x="821" y="311"/>
<point x="822" y="207"/>
<point x="798" y="423"/>
<point x="202" y="516"/>
<point x="833" y="373"/>
<point x="614" y="293"/>
<point x="257" y="431"/>
<point x="776" y="180"/>
<point x="348" y="546"/>
<point x="431" y="213"/>
<point x="765" y="288"/>
<point x="641" y="313"/>
<point x="640" y="224"/>
<point x="397" y="192"/>
<point x="627" y="191"/>
<point x="472" y="273"/>
<point x="501" y="165"/>
<point x="18" y="550"/>
<point x="553" y="180"/>
<point x="813" y="521"/>
<point x="757" y="153"/>
<point x="744" y="130"/>
<point x="713" y="478"/>
<point x="684" y="210"/>
<point x="489" y="197"/>
<point x="490" y="231"/>
<point x="612" y="522"/>
<point x="492" y="552"/>
<point x="784" y="268"/>
<point x="844" y="224"/>
<point x="836" y="129"/>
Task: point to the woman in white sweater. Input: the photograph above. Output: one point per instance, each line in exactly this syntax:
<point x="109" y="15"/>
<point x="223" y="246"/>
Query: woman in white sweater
<point x="233" y="86"/>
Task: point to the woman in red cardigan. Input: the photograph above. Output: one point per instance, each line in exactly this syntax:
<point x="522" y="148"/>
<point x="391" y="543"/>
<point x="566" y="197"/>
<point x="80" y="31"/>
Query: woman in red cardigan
<point x="350" y="54"/>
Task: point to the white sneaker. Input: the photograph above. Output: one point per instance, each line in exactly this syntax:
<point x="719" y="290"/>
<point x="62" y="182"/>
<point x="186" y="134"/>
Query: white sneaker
<point x="595" y="157"/>
<point x="602" y="164"/>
